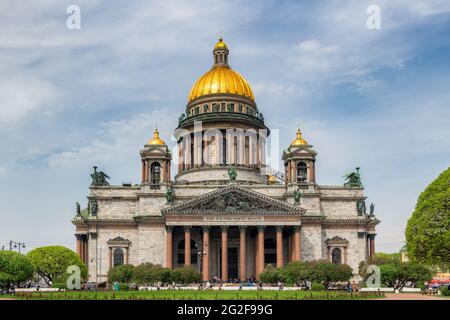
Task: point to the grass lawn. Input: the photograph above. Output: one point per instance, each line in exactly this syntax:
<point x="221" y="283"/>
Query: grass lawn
<point x="195" y="295"/>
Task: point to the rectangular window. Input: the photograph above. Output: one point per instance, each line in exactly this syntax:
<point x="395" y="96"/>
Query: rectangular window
<point x="205" y="108"/>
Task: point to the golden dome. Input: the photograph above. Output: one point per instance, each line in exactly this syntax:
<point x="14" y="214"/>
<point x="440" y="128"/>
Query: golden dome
<point x="156" y="141"/>
<point x="221" y="79"/>
<point x="299" y="141"/>
<point x="220" y="45"/>
<point x="272" y="179"/>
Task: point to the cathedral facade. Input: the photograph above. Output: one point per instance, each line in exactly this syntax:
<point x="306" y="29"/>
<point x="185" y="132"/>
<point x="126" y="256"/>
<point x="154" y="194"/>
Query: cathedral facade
<point x="223" y="212"/>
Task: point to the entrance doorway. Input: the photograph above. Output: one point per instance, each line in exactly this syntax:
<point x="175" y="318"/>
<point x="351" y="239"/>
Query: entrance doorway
<point x="233" y="268"/>
<point x="233" y="271"/>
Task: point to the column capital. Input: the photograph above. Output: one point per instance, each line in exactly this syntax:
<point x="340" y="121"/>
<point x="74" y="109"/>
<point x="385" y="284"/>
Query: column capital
<point x="224" y="228"/>
<point x="261" y="228"/>
<point x="279" y="228"/>
<point x="187" y="228"/>
<point x="296" y="228"/>
<point x="169" y="228"/>
<point x="242" y="228"/>
<point x="79" y="236"/>
<point x="206" y="228"/>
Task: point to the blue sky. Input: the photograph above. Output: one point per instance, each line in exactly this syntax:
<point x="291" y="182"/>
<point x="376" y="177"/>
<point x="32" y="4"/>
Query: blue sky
<point x="69" y="99"/>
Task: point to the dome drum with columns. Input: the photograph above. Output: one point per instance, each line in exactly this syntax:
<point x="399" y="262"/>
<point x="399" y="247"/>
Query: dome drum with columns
<point x="222" y="100"/>
<point x="220" y="201"/>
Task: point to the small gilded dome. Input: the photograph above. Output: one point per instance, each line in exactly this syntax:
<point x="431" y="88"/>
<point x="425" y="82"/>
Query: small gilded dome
<point x="220" y="45"/>
<point x="299" y="141"/>
<point x="272" y="179"/>
<point x="156" y="141"/>
<point x="221" y="79"/>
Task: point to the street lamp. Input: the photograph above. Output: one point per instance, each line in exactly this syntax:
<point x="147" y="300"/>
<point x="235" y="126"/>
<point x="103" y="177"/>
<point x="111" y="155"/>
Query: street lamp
<point x="201" y="253"/>
<point x="16" y="245"/>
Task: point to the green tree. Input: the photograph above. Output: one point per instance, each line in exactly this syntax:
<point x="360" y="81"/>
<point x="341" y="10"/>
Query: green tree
<point x="14" y="268"/>
<point x="271" y="275"/>
<point x="328" y="273"/>
<point x="51" y="262"/>
<point x="122" y="274"/>
<point x="297" y="272"/>
<point x="428" y="229"/>
<point x="144" y="274"/>
<point x="396" y="274"/>
<point x="185" y="275"/>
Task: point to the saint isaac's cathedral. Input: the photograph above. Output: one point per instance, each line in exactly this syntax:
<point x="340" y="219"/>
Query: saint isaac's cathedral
<point x="223" y="212"/>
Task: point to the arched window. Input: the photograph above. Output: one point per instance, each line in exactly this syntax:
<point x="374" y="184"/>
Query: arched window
<point x="155" y="173"/>
<point x="118" y="257"/>
<point x="301" y="172"/>
<point x="336" y="256"/>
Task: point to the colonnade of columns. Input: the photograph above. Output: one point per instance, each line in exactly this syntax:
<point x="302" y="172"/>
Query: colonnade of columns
<point x="82" y="247"/>
<point x="293" y="252"/>
<point x="246" y="150"/>
<point x="371" y="238"/>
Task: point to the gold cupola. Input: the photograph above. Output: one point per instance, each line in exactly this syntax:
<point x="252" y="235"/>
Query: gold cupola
<point x="299" y="141"/>
<point x="221" y="79"/>
<point x="156" y="140"/>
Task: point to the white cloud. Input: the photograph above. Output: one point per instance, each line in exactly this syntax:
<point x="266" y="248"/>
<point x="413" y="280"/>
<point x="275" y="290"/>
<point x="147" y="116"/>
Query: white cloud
<point x="117" y="143"/>
<point x="20" y="97"/>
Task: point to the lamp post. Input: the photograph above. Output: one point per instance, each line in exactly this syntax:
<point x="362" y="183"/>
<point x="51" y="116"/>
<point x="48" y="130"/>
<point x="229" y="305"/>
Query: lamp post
<point x="201" y="253"/>
<point x="16" y="245"/>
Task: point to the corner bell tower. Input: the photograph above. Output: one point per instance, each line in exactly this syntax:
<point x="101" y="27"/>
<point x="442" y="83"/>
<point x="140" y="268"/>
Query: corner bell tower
<point x="156" y="159"/>
<point x="300" y="162"/>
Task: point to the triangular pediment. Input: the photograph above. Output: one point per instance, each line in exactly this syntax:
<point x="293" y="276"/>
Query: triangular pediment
<point x="233" y="200"/>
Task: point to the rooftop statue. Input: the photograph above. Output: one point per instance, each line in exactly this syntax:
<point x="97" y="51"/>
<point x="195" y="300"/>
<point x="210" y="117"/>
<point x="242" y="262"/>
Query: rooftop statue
<point x="361" y="207"/>
<point x="372" y="209"/>
<point x="169" y="194"/>
<point x="99" y="178"/>
<point x="353" y="179"/>
<point x="297" y="196"/>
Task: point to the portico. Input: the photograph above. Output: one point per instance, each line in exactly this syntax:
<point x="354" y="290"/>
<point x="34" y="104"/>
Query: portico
<point x="230" y="251"/>
<point x="237" y="239"/>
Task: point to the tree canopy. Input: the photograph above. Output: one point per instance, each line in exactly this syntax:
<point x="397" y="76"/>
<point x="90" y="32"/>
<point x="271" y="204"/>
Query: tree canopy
<point x="396" y="274"/>
<point x="14" y="268"/>
<point x="428" y="229"/>
<point x="51" y="262"/>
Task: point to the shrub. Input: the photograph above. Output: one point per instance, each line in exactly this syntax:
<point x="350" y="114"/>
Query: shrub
<point x="445" y="291"/>
<point x="59" y="285"/>
<point x="124" y="287"/>
<point x="297" y="272"/>
<point x="185" y="275"/>
<point x="147" y="273"/>
<point x="271" y="275"/>
<point x="315" y="286"/>
<point x="328" y="273"/>
<point x="122" y="274"/>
